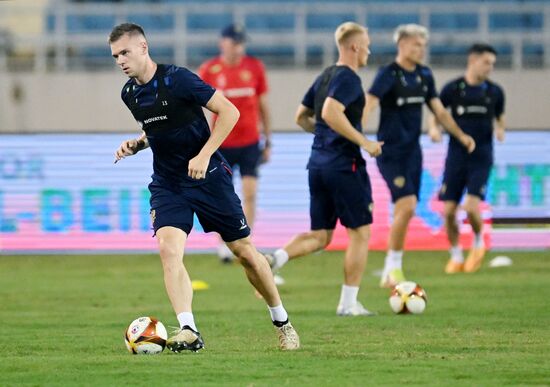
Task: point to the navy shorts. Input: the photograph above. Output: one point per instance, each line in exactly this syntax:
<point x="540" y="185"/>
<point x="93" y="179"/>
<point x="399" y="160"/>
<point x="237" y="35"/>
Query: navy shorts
<point x="343" y="195"/>
<point x="402" y="174"/>
<point x="247" y="158"/>
<point x="215" y="202"/>
<point x="461" y="175"/>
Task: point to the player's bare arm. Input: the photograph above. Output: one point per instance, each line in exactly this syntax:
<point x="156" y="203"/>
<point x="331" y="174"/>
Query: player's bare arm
<point x="372" y="103"/>
<point x="305" y="118"/>
<point x="228" y="115"/>
<point x="131" y="147"/>
<point x="434" y="129"/>
<point x="333" y="114"/>
<point x="500" y="128"/>
<point x="265" y="116"/>
<point x="444" y="117"/>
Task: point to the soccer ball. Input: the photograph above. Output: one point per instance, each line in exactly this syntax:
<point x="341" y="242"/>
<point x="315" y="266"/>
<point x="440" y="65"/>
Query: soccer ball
<point x="145" y="336"/>
<point x="408" y="297"/>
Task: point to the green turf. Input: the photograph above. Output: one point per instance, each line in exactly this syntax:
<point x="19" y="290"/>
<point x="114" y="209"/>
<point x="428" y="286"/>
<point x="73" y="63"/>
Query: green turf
<point x="63" y="320"/>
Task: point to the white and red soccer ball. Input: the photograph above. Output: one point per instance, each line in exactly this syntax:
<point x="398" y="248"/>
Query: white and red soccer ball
<point x="145" y="336"/>
<point x="408" y="297"/>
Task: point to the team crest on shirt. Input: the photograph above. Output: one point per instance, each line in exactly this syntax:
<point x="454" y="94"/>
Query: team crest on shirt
<point x="371" y="207"/>
<point x="245" y="75"/>
<point x="216" y="68"/>
<point x="399" y="181"/>
<point x="153" y="216"/>
<point x="443" y="189"/>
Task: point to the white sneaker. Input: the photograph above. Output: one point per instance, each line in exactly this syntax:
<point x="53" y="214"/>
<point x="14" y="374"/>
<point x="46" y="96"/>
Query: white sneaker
<point x="276" y="277"/>
<point x="288" y="337"/>
<point x="278" y="280"/>
<point x="225" y="254"/>
<point x="356" y="310"/>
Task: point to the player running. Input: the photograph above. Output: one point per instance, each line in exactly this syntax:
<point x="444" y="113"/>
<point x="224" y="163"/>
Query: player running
<point x="476" y="103"/>
<point x="400" y="89"/>
<point x="189" y="177"/>
<point x="339" y="185"/>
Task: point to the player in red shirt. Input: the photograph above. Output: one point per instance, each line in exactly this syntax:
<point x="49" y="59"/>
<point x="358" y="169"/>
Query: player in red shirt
<point x="242" y="80"/>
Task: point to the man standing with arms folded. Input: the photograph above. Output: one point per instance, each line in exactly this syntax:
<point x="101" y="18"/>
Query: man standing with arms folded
<point x="401" y="89"/>
<point x="242" y="80"/>
<point x="476" y="104"/>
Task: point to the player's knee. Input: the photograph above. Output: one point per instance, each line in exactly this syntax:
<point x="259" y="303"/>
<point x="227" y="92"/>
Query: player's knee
<point x="243" y="250"/>
<point x="323" y="239"/>
<point x="408" y="211"/>
<point x="450" y="215"/>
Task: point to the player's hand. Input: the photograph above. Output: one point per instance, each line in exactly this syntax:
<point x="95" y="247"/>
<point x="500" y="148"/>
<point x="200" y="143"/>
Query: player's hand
<point x="468" y="142"/>
<point x="127" y="148"/>
<point x="500" y="134"/>
<point x="435" y="134"/>
<point x="373" y="148"/>
<point x="266" y="154"/>
<point x="198" y="166"/>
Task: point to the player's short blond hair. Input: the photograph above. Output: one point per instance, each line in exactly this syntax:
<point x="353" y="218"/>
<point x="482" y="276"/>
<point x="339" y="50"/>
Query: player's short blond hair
<point x="406" y="30"/>
<point x="347" y="29"/>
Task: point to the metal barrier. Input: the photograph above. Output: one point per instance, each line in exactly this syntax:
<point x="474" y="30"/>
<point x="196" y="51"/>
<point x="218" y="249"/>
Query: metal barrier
<point x="301" y="42"/>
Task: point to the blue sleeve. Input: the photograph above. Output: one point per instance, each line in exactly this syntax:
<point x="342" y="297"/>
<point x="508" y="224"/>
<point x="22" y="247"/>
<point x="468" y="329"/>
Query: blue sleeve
<point x="345" y="87"/>
<point x="499" y="104"/>
<point x="382" y="83"/>
<point x="309" y="99"/>
<point x="187" y="85"/>
<point x="432" y="92"/>
<point x="446" y="95"/>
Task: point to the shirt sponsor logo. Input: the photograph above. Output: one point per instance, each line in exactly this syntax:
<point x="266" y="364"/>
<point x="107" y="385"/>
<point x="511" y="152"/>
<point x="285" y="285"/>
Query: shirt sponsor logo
<point x="239" y="92"/>
<point x="154" y="119"/>
<point x="473" y="109"/>
<point x="409" y="100"/>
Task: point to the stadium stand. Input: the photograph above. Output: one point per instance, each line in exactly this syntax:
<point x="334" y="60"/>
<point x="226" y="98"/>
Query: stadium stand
<point x="290" y="33"/>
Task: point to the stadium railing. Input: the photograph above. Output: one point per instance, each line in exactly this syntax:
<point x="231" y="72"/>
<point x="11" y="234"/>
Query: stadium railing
<point x="285" y="34"/>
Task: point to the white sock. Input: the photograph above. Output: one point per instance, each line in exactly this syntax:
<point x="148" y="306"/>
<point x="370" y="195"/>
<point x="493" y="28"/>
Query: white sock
<point x="278" y="313"/>
<point x="281" y="257"/>
<point x="456" y="254"/>
<point x="186" y="318"/>
<point x="348" y="296"/>
<point x="393" y="260"/>
<point x="478" y="240"/>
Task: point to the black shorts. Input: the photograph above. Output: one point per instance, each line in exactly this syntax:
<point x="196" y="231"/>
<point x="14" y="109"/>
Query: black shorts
<point x="247" y="158"/>
<point x="464" y="175"/>
<point x="343" y="195"/>
<point x="215" y="202"/>
<point x="402" y="174"/>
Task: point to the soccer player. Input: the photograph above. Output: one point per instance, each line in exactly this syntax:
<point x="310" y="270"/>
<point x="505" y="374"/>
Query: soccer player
<point x="242" y="80"/>
<point x="338" y="182"/>
<point x="476" y="103"/>
<point x="400" y="89"/>
<point x="189" y="177"/>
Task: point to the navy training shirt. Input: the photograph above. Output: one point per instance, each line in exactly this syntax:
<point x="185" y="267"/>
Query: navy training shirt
<point x="330" y="150"/>
<point x="474" y="108"/>
<point x="169" y="109"/>
<point x="402" y="94"/>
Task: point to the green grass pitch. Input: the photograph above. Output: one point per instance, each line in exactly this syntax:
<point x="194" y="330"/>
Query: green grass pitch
<point x="63" y="319"/>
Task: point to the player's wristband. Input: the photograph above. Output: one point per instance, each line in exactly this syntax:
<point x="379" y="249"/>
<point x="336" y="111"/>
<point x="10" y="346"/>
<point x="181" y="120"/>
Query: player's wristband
<point x="140" y="144"/>
<point x="267" y="144"/>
